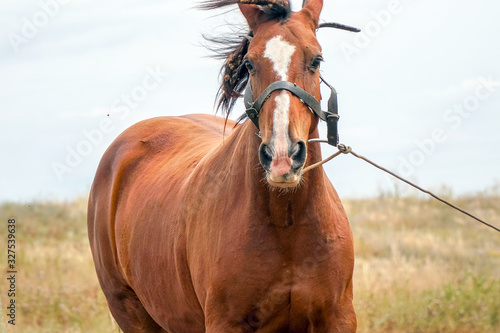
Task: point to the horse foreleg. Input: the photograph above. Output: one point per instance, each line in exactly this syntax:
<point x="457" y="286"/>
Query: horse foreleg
<point x="130" y="314"/>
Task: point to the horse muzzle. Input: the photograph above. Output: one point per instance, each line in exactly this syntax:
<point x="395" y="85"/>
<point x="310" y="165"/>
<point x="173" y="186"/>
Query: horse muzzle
<point x="283" y="165"/>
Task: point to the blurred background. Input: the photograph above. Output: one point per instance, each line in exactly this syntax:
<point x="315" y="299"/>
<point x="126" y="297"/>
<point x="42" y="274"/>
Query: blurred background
<point x="419" y="93"/>
<point x="419" y="88"/>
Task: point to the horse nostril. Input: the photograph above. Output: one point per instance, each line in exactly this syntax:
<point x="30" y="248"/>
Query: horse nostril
<point x="298" y="154"/>
<point x="265" y="156"/>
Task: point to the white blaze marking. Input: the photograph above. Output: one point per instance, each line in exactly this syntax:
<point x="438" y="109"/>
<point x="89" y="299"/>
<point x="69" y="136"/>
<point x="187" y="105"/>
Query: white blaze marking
<point x="280" y="129"/>
<point x="280" y="53"/>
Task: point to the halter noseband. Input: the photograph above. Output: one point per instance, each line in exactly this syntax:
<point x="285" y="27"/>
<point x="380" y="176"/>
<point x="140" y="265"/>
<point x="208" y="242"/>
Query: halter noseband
<point x="331" y="116"/>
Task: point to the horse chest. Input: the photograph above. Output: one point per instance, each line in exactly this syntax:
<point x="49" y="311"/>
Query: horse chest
<point x="273" y="299"/>
<point x="273" y="275"/>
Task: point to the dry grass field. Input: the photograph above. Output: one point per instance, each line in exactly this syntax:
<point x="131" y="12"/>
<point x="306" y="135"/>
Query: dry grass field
<point x="420" y="267"/>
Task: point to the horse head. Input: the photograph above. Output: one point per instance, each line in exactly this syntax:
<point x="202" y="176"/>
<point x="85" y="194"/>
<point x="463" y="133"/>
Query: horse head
<point x="283" y="48"/>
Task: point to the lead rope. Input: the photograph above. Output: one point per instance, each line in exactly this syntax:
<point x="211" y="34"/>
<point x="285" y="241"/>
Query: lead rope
<point x="343" y="149"/>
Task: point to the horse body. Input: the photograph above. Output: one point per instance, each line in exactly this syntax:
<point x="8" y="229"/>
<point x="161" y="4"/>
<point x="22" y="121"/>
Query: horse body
<point x="188" y="236"/>
<point x="261" y="260"/>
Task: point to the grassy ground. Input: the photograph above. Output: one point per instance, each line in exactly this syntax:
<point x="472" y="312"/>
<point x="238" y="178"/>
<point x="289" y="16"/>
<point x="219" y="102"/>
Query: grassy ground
<point x="420" y="267"/>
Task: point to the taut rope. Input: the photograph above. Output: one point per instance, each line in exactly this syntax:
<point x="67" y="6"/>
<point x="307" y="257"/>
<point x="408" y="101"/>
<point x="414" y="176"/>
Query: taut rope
<point x="343" y="149"/>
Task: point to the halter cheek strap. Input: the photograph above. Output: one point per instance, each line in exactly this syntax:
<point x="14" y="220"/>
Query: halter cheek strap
<point x="331" y="116"/>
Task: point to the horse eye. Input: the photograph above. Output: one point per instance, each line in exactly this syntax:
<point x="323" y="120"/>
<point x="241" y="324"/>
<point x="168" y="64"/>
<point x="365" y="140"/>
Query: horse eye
<point x="316" y="63"/>
<point x="249" y="66"/>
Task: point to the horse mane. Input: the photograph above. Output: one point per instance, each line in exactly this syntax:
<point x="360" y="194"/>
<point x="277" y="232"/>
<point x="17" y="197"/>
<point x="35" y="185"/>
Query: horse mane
<point x="232" y="49"/>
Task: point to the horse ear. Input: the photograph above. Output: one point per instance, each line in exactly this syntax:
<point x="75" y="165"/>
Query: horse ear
<point x="312" y="8"/>
<point x="252" y="14"/>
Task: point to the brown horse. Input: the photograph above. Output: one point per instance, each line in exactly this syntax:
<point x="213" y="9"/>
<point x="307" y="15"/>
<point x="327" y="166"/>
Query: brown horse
<point x="193" y="230"/>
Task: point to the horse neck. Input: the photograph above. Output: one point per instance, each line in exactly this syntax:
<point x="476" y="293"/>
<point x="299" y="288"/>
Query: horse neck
<point x="281" y="205"/>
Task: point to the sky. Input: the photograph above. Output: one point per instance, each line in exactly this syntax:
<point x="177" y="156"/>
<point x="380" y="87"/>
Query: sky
<point x="419" y="88"/>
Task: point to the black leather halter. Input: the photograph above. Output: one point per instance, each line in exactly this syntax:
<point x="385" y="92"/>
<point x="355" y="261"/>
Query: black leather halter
<point x="331" y="116"/>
